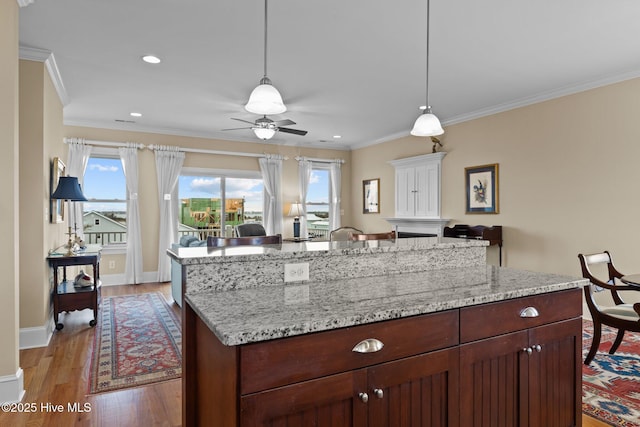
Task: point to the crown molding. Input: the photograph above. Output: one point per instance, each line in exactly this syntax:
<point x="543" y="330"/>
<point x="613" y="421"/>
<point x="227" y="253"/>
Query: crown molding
<point x="25" y="3"/>
<point x="41" y="55"/>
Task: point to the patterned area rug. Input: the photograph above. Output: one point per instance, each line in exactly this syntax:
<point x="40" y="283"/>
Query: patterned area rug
<point x="611" y="383"/>
<point x="138" y="341"/>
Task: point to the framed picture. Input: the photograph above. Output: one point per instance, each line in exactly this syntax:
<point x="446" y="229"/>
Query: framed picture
<point x="371" y="196"/>
<point x="56" y="207"/>
<point x="482" y="189"/>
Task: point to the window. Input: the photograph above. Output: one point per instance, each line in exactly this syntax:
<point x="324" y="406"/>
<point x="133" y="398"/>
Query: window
<point x="105" y="212"/>
<point x="213" y="201"/>
<point x="318" y="203"/>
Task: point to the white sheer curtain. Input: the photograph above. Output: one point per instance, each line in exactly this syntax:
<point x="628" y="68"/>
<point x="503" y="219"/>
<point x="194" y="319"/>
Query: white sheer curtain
<point x="79" y="154"/>
<point x="133" y="265"/>
<point x="335" y="175"/>
<point x="304" y="176"/>
<point x="168" y="166"/>
<point x="271" y="169"/>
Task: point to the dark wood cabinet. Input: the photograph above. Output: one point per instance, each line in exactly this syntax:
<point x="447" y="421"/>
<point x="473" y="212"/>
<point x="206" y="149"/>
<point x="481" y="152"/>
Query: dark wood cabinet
<point x="530" y="377"/>
<point x="513" y="368"/>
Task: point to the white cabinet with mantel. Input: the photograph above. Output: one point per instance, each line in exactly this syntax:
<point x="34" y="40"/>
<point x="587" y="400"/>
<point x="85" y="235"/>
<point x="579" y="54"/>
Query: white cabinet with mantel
<point x="417" y="194"/>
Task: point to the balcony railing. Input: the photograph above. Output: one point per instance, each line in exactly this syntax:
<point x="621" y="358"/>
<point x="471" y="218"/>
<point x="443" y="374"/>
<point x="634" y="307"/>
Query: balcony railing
<point x="105" y="238"/>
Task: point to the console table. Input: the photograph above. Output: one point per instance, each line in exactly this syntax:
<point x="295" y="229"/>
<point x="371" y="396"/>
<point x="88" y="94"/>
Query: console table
<point x="67" y="297"/>
<point x="480" y="232"/>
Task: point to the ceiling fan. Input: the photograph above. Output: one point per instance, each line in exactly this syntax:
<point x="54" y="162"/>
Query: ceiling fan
<point x="265" y="128"/>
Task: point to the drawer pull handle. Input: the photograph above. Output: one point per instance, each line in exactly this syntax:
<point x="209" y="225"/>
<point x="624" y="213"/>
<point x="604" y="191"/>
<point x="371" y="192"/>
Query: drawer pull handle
<point x="364" y="397"/>
<point x="529" y="312"/>
<point x="378" y="392"/>
<point x="527" y="350"/>
<point x="370" y="345"/>
<point x="538" y="348"/>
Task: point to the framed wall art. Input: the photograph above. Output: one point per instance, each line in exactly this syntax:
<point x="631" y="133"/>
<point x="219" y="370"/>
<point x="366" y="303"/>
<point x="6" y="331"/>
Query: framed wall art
<point x="56" y="207"/>
<point x="371" y="196"/>
<point x="481" y="184"/>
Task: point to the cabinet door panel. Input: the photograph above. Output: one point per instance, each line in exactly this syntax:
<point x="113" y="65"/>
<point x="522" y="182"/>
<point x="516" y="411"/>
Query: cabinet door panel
<point x="330" y="401"/>
<point x="426" y="179"/>
<point x="555" y="374"/>
<point x="417" y="391"/>
<point x="405" y="192"/>
<point x="492" y="381"/>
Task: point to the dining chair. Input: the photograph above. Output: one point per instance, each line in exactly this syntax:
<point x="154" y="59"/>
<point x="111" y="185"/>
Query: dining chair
<point x="219" y="242"/>
<point x="623" y="317"/>
<point x="250" y="229"/>
<point x="391" y="235"/>
<point x="342" y="233"/>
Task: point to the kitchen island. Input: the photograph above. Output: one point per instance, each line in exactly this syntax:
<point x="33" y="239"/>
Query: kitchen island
<point x="464" y="344"/>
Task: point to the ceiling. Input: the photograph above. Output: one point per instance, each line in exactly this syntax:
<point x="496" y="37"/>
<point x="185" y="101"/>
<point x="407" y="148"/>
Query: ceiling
<point x="351" y="68"/>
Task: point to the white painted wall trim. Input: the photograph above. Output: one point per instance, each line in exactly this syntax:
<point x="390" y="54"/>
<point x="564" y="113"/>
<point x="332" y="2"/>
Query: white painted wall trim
<point x="41" y="55"/>
<point x="38" y="336"/>
<point x="12" y="387"/>
<point x="118" y="279"/>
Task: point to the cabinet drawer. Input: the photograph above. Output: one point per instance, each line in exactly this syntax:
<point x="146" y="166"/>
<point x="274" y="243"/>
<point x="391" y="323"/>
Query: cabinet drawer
<point x="502" y="317"/>
<point x="285" y="361"/>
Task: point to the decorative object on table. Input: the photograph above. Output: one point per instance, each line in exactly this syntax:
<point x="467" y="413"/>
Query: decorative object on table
<point x="138" y="341"/>
<point x="83" y="280"/>
<point x="265" y="98"/>
<point x="371" y="196"/>
<point x="296" y="211"/>
<point x="427" y="124"/>
<point x="611" y="383"/>
<point x="481" y="183"/>
<point x="56" y="206"/>
<point x="69" y="189"/>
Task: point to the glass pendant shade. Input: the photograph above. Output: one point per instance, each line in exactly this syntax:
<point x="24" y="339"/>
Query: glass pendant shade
<point x="427" y="124"/>
<point x="264" y="133"/>
<point x="265" y="99"/>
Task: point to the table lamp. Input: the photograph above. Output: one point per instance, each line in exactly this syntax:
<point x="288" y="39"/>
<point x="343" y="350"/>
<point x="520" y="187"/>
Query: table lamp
<point x="296" y="211"/>
<point x="69" y="189"/>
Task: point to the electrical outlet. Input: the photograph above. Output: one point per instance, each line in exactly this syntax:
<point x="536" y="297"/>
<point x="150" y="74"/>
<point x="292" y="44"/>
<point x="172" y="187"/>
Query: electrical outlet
<point x="296" y="272"/>
<point x="112" y="264"/>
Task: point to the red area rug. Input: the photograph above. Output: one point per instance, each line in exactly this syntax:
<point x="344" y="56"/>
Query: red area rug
<point x="138" y="341"/>
<point x="611" y="383"/>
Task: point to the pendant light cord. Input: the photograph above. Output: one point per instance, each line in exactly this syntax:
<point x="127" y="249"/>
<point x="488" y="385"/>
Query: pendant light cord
<point x="265" y="38"/>
<point x="427" y="107"/>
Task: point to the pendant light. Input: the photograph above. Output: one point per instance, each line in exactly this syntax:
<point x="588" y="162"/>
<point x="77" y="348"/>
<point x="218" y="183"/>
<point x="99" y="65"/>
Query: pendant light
<point x="427" y="123"/>
<point x="265" y="98"/>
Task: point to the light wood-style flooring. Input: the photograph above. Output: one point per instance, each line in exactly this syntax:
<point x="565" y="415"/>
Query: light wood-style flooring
<point x="58" y="375"/>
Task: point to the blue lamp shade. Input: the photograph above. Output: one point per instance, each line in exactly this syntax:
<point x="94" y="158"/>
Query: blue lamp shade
<point x="69" y="189"/>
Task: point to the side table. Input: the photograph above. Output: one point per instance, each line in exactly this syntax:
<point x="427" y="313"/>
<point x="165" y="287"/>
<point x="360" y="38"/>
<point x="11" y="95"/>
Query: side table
<point x="67" y="297"/>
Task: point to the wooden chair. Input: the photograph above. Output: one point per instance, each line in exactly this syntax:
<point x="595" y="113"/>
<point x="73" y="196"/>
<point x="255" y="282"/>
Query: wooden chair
<point x="250" y="229"/>
<point x="342" y="234"/>
<point x="624" y="317"/>
<point x="219" y="242"/>
<point x="373" y="236"/>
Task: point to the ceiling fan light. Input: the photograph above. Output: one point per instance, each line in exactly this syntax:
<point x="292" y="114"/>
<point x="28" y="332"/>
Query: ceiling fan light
<point x="264" y="133"/>
<point x="265" y="99"/>
<point x="427" y="124"/>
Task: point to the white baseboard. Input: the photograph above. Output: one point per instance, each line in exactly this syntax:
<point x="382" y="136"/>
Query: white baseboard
<point x="118" y="279"/>
<point x="12" y="387"/>
<point x="38" y="336"/>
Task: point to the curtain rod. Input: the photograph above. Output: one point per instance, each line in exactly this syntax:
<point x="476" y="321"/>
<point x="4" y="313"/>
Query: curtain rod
<point x="186" y="150"/>
<point x="314" y="159"/>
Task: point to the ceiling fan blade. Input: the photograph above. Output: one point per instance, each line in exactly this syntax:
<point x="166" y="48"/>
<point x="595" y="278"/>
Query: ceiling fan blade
<point x="237" y="128"/>
<point x="293" y="131"/>
<point x="245" y="121"/>
<point x="285" y="122"/>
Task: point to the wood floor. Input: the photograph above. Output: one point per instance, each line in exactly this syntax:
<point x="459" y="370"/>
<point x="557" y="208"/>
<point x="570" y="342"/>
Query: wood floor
<point x="58" y="375"/>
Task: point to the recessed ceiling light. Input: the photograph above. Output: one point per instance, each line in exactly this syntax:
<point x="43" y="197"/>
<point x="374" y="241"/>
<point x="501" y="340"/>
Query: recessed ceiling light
<point x="135" y="114"/>
<point x="151" y="59"/>
<point x="337" y="136"/>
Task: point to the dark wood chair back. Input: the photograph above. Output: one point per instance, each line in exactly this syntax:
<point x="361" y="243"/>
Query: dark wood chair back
<point x="250" y="229"/>
<point x="219" y="242"/>
<point x="624" y="317"/>
<point x="373" y="236"/>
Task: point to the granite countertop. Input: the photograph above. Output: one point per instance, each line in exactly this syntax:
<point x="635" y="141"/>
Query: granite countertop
<point x="292" y="250"/>
<point x="259" y="314"/>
